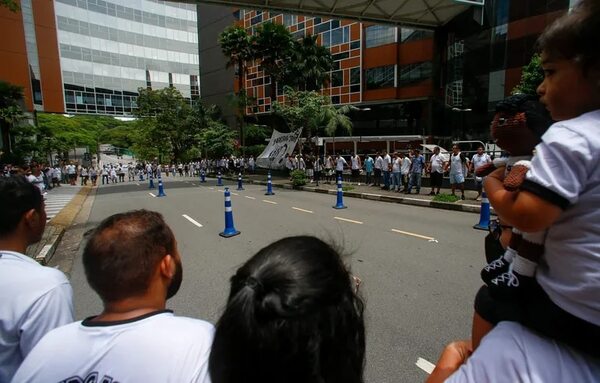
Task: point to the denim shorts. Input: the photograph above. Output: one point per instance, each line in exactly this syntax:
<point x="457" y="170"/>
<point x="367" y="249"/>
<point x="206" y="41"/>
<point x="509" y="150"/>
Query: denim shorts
<point x="457" y="178"/>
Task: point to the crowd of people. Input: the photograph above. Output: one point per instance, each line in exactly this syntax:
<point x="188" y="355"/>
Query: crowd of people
<point x="294" y="311"/>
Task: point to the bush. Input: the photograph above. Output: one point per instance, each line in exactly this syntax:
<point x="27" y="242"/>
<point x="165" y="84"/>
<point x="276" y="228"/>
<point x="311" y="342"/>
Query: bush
<point x="347" y="188"/>
<point x="298" y="178"/>
<point x="445" y="198"/>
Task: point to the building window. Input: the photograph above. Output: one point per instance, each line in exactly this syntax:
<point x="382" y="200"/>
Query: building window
<point x="335" y="99"/>
<point x="256" y="19"/>
<point x="355" y="75"/>
<point x="289" y="20"/>
<point x="414" y="73"/>
<point x="381" y="77"/>
<point x="410" y="34"/>
<point x="336" y="36"/>
<point x="377" y="35"/>
<point x="337" y="78"/>
<point x="237" y="15"/>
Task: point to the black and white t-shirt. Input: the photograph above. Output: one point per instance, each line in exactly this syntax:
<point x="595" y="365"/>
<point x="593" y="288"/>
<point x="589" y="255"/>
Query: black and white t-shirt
<point x="154" y="348"/>
<point x="566" y="172"/>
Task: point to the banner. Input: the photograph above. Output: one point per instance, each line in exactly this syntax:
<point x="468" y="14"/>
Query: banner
<point x="280" y="147"/>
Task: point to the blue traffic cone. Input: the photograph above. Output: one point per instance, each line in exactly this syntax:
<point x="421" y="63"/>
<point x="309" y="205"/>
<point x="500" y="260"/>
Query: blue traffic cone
<point x="269" y="185"/>
<point x="161" y="190"/>
<point x="340" y="195"/>
<point x="240" y="187"/>
<point x="151" y="182"/>
<point x="230" y="230"/>
<point x="219" y="179"/>
<point x="202" y="176"/>
<point x="484" y="214"/>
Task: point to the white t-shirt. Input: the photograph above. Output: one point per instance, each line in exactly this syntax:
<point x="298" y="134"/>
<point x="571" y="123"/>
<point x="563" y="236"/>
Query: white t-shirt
<point x="405" y="165"/>
<point x="566" y="172"/>
<point x="456" y="164"/>
<point x="396" y="165"/>
<point x="35" y="299"/>
<point x="480" y="160"/>
<point x="340" y="162"/>
<point x="386" y="163"/>
<point x="379" y="163"/>
<point x="154" y="348"/>
<point x="511" y="353"/>
<point x="437" y="163"/>
<point x="355" y="163"/>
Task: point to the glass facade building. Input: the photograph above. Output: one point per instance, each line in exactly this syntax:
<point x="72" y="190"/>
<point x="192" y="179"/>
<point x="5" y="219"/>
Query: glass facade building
<point x="109" y="49"/>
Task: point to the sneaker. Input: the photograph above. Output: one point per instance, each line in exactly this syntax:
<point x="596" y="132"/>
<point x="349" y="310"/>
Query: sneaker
<point x="494" y="269"/>
<point x="509" y="285"/>
<point x="462" y="197"/>
<point x="431" y="193"/>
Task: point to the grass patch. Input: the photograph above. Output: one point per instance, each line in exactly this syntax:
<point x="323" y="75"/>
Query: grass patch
<point x="445" y="198"/>
<point x="347" y="188"/>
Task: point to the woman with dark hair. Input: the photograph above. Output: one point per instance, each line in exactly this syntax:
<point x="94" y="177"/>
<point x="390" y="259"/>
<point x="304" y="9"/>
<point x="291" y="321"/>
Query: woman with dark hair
<point x="293" y="316"/>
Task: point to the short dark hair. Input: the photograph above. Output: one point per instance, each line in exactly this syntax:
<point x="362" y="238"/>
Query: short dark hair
<point x="292" y="316"/>
<point x="18" y="196"/>
<point x="575" y="35"/>
<point x="123" y="251"/>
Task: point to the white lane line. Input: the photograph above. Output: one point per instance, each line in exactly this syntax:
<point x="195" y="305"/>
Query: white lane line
<point x="414" y="235"/>
<point x="219" y="190"/>
<point x="247" y="196"/>
<point x="347" y="220"/>
<point x="306" y="211"/>
<point x="152" y="194"/>
<point x="271" y="202"/>
<point x="425" y="365"/>
<point x="137" y="184"/>
<point x="211" y="188"/>
<point x="191" y="220"/>
<point x="234" y="193"/>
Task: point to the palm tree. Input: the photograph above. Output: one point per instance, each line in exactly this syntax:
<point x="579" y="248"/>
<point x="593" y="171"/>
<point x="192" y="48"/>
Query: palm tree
<point x="273" y="45"/>
<point x="310" y="66"/>
<point x="237" y="45"/>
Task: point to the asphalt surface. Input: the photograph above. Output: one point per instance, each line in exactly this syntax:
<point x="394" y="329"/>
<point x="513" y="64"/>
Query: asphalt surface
<point x="419" y="266"/>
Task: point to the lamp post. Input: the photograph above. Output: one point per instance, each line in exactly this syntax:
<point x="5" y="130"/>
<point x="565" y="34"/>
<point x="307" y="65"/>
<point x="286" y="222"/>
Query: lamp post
<point x="462" y="112"/>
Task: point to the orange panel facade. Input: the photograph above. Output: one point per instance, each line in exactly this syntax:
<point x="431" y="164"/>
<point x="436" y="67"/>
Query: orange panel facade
<point x="415" y="51"/>
<point x="380" y="56"/>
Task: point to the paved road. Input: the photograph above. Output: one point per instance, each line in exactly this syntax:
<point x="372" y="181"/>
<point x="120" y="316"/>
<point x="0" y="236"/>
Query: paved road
<point x="419" y="266"/>
<point x="58" y="198"/>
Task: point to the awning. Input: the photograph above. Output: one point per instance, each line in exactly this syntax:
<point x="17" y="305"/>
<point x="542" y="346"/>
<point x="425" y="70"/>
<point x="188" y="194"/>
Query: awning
<point x="415" y="13"/>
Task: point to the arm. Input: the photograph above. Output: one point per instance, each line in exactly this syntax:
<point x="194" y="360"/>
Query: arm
<point x="521" y="209"/>
<point x="453" y="356"/>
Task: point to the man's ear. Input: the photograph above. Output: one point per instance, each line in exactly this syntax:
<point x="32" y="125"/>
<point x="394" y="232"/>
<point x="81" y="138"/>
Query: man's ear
<point x="167" y="266"/>
<point x="31" y="219"/>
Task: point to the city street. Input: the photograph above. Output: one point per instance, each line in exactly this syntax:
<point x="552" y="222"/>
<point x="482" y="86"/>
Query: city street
<point x="419" y="266"/>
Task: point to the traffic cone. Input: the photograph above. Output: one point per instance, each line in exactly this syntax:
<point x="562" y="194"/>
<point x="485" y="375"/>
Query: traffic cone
<point x="202" y="176"/>
<point x="240" y="187"/>
<point x="161" y="190"/>
<point x="340" y="195"/>
<point x="151" y="182"/>
<point x="219" y="179"/>
<point x="230" y="230"/>
<point x="484" y="214"/>
<point x="269" y="185"/>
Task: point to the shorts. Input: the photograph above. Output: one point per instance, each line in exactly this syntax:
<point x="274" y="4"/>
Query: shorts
<point x="436" y="179"/>
<point x="457" y="178"/>
<point x="355" y="172"/>
<point x="310" y="172"/>
<point x="536" y="311"/>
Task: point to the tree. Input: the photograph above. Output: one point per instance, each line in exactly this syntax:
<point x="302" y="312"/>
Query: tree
<point x="531" y="78"/>
<point x="273" y="45"/>
<point x="12" y="5"/>
<point x="237" y="45"/>
<point x="309" y="66"/>
<point x="217" y="139"/>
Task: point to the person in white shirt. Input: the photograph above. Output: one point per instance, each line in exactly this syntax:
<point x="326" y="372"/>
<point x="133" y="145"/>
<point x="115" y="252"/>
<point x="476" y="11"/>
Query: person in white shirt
<point x="131" y="260"/>
<point x="458" y="168"/>
<point x="396" y="174"/>
<point x="436" y="170"/>
<point x="386" y="166"/>
<point x="356" y="166"/>
<point x="339" y="167"/>
<point x="377" y="171"/>
<point x="35" y="299"/>
<point x="329" y="166"/>
<point x="405" y="170"/>
<point x="479" y="159"/>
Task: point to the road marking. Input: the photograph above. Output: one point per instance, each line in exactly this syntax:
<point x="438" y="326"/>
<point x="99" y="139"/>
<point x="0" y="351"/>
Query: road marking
<point x="152" y="194"/>
<point x="425" y="365"/>
<point x="271" y="202"/>
<point x="234" y="193"/>
<point x="137" y="184"/>
<point x="348" y="220"/>
<point x="191" y="220"/>
<point x="414" y="235"/>
<point x="247" y="196"/>
<point x="211" y="188"/>
<point x="219" y="190"/>
<point x="306" y="211"/>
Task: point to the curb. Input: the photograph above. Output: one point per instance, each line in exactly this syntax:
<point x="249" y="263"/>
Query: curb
<point x="383" y="198"/>
<point x="59" y="224"/>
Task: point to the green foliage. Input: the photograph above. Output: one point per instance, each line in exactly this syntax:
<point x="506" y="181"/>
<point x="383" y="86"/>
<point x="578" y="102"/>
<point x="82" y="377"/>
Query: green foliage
<point x="446" y="198"/>
<point x="217" y="140"/>
<point x="531" y="78"/>
<point x="347" y="188"/>
<point x="12" y="5"/>
<point x="298" y="177"/>
<point x="309" y="66"/>
<point x="273" y="45"/>
<point x="255" y="150"/>
<point x="256" y="134"/>
<point x="236" y="44"/>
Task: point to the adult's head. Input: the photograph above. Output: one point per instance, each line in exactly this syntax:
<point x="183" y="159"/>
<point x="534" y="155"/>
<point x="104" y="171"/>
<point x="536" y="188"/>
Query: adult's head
<point x="130" y="253"/>
<point x="417" y="152"/>
<point x="436" y="150"/>
<point x="23" y="212"/>
<point x="455" y="149"/>
<point x="480" y="150"/>
<point x="292" y="316"/>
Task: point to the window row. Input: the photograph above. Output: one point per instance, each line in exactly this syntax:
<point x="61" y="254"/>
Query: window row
<point x="117" y="35"/>
<point x="384" y="77"/>
<point x="336" y="36"/>
<point x="132" y="14"/>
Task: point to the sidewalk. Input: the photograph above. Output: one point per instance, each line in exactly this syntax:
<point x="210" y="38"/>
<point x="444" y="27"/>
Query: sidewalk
<point x="376" y="193"/>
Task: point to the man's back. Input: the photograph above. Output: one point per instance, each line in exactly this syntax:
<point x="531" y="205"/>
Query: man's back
<point x="157" y="347"/>
<point x="35" y="299"/>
